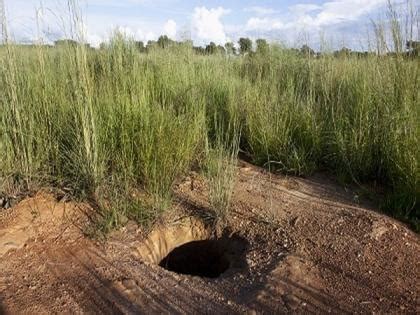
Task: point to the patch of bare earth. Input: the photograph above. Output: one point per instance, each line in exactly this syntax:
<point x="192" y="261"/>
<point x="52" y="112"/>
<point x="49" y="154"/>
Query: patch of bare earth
<point x="308" y="247"/>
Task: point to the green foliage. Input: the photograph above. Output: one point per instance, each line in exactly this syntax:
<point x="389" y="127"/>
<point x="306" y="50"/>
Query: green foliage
<point x="413" y="48"/>
<point x="164" y="42"/>
<point x="66" y="42"/>
<point x="221" y="49"/>
<point x="230" y="48"/>
<point x="140" y="46"/>
<point x="110" y="121"/>
<point x="221" y="174"/>
<point x="307" y="51"/>
<point x="342" y="53"/>
<point x="245" y="45"/>
<point x="262" y="46"/>
<point x="211" y="48"/>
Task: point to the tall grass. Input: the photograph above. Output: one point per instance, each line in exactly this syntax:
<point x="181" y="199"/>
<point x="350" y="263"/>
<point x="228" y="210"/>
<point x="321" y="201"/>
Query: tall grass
<point x="109" y="122"/>
<point x="222" y="154"/>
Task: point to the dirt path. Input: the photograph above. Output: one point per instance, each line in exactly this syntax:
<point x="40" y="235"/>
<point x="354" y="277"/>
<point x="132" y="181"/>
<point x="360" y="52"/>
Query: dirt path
<point x="323" y="253"/>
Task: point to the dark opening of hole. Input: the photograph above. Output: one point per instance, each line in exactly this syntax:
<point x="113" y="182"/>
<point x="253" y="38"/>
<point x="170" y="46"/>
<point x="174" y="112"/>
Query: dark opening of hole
<point x="209" y="258"/>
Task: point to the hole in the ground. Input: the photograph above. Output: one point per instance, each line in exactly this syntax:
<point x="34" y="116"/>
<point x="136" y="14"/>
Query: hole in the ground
<point x="206" y="258"/>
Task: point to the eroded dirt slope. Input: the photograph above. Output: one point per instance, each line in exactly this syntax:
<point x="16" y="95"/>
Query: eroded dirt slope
<point x="310" y="248"/>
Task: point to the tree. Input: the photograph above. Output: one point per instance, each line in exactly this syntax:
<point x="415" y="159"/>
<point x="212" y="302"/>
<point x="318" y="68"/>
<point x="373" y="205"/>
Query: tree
<point x="294" y="51"/>
<point x="221" y="50"/>
<point x="343" y="52"/>
<point x="413" y="48"/>
<point x="199" y="50"/>
<point x="151" y="44"/>
<point x="307" y="51"/>
<point x="66" y="42"/>
<point x="245" y="45"/>
<point x="164" y="41"/>
<point x="140" y="46"/>
<point x="262" y="46"/>
<point x="211" y="48"/>
<point x="230" y="48"/>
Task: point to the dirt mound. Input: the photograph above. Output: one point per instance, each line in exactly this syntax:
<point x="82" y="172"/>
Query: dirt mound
<point x="39" y="217"/>
<point x="301" y="245"/>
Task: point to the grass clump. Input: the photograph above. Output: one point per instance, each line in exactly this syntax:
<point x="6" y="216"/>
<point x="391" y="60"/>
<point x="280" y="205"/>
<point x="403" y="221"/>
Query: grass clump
<point x="222" y="156"/>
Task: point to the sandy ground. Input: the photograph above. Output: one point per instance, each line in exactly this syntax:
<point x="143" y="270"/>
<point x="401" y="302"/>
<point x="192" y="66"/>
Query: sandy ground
<point x="310" y="248"/>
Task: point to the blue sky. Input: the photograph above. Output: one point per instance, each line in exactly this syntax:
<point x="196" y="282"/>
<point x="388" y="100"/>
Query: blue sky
<point x="293" y="22"/>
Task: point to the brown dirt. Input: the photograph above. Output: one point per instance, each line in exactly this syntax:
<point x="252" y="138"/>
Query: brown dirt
<point x="310" y="249"/>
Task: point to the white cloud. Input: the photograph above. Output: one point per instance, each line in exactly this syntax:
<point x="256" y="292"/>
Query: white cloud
<point x="136" y="34"/>
<point x="127" y="31"/>
<point x="170" y="29"/>
<point x="266" y="24"/>
<point x="207" y="25"/>
<point x="300" y="9"/>
<point x="315" y="17"/>
<point x="345" y="10"/>
<point x="260" y="10"/>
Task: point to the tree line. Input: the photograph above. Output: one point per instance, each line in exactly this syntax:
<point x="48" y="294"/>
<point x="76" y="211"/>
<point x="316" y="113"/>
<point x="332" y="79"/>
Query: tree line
<point x="245" y="46"/>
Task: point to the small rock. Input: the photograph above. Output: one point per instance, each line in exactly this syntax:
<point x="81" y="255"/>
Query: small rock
<point x="5" y="203"/>
<point x="129" y="283"/>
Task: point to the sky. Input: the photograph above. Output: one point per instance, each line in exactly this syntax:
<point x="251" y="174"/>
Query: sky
<point x="291" y="22"/>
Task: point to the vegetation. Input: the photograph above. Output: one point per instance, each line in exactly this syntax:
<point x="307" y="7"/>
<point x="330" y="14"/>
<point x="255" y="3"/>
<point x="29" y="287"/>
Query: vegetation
<point x="245" y="45"/>
<point x="107" y="123"/>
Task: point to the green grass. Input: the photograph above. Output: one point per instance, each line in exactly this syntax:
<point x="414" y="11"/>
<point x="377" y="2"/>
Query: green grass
<point x="106" y="122"/>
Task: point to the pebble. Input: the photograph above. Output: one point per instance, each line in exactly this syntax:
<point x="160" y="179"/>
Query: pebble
<point x="129" y="283"/>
